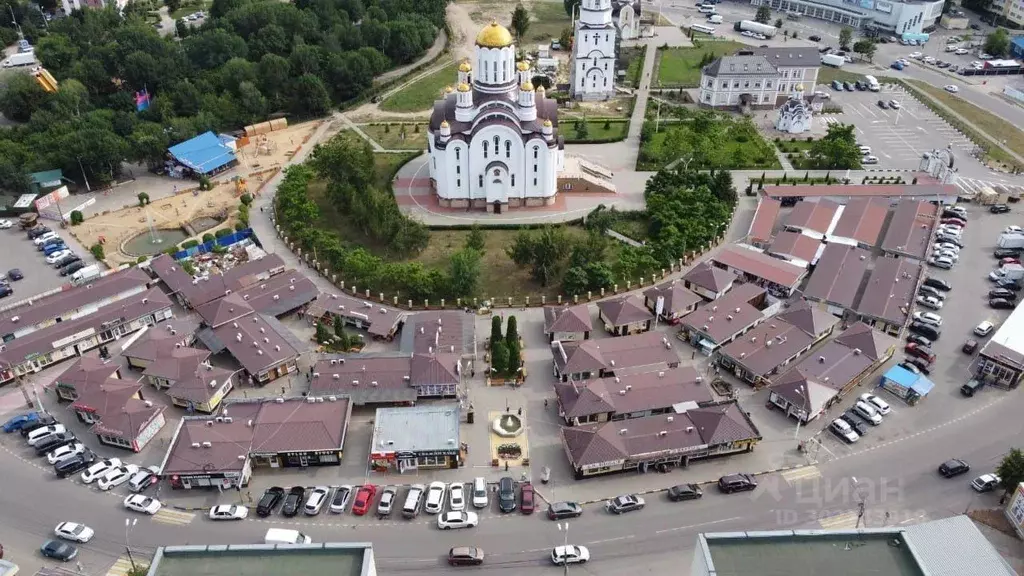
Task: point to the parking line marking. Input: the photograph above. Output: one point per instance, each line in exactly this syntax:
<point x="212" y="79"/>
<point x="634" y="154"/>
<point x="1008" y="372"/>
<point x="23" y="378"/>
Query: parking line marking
<point x="805" y="473"/>
<point x="121" y="568"/>
<point x="173" y="517"/>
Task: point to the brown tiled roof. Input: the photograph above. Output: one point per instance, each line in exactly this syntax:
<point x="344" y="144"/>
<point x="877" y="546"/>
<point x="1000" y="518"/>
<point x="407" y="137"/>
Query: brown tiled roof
<point x="625" y="310"/>
<point x="161" y="340"/>
<point x="764" y="220"/>
<point x="40" y="310"/>
<point x="257" y="342"/>
<point x="870" y="342"/>
<point x="841" y="359"/>
<point x="383" y="320"/>
<point x="567" y="319"/>
<point x="616" y="354"/>
<point x="202" y="290"/>
<point x="434" y="369"/>
<point x="388" y="371"/>
<point x="890" y="291"/>
<point x="910" y="228"/>
<point x="295" y="425"/>
<point x="928" y="191"/>
<point x="760" y="265"/>
<point x="795" y="245"/>
<point x="87" y="371"/>
<point x="114" y="402"/>
<point x="177" y="365"/>
<point x="633" y="392"/>
<point x="814" y="216"/>
<point x="810" y="319"/>
<point x="41" y="341"/>
<point x="594" y="444"/>
<point x="280" y="293"/>
<point x="804" y="393"/>
<point x="227" y="441"/>
<point x="435" y="331"/>
<point x="838" y="275"/>
<point x="170" y="272"/>
<point x="677" y="297"/>
<point x="767" y="346"/>
<point x="129" y="421"/>
<point x="709" y="277"/>
<point x="730" y="314"/>
<point x="862" y="220"/>
<point x="226" y="309"/>
<point x="199" y="385"/>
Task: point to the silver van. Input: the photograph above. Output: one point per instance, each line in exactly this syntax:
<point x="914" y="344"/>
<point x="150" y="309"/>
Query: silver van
<point x="479" y="493"/>
<point x="413" y="501"/>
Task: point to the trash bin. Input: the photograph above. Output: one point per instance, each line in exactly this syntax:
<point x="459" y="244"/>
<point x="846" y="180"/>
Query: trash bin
<point x="469" y="417"/>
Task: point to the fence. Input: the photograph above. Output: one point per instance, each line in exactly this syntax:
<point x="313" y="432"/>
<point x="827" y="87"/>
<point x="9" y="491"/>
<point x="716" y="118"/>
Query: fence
<point x="222" y="241"/>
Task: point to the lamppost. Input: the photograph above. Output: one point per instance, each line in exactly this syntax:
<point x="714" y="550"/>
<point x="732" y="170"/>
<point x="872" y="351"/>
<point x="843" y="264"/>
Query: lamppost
<point x="129" y="523"/>
<point x="799" y="417"/>
<point x="564" y="528"/>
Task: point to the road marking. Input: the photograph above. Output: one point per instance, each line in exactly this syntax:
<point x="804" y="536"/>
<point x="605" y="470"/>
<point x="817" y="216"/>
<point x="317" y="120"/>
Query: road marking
<point x="842" y="521"/>
<point x="691" y="526"/>
<point x="606" y="540"/>
<point x="805" y="473"/>
<point x="173" y="517"/>
<point x="120" y="568"/>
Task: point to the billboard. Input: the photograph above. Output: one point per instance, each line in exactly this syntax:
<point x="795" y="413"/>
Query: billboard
<point x="867" y="4"/>
<point x="883" y="7"/>
<point x="51" y="198"/>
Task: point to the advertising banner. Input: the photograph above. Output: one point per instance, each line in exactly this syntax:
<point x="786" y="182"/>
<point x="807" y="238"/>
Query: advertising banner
<point x="883" y="7"/>
<point x="51" y="198"/>
<point x="867" y="4"/>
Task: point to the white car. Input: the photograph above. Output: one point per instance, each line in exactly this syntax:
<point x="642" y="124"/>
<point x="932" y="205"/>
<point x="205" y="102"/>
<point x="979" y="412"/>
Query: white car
<point x="954" y="256"/>
<point x="457" y="519"/>
<point x="340" y="500"/>
<point x="97" y="470"/>
<point x="435" y="497"/>
<point x="117" y="476"/>
<point x="984" y="328"/>
<point x="73" y="531"/>
<point x="894" y="104"/>
<point x="39" y="434"/>
<point x="869" y="160"/>
<point x="822" y="94"/>
<point x="940" y="262"/>
<point x="961" y="51"/>
<point x="995" y="275"/>
<point x="569" y="555"/>
<point x="868" y="412"/>
<point x="53" y="258"/>
<point x="229" y="512"/>
<point x="928" y="318"/>
<point x="65" y="452"/>
<point x="5" y="224"/>
<point x="929" y="60"/>
<point x="952" y="88"/>
<point x="951" y="229"/>
<point x="842" y="429"/>
<point x="916" y="55"/>
<point x="747" y="33"/>
<point x="143" y="504"/>
<point x="930" y="302"/>
<point x="985" y="56"/>
<point x="986" y="482"/>
<point x="457" y="496"/>
<point x="945" y="246"/>
<point x="45" y="237"/>
<point x="317" y="499"/>
<point x="864" y="150"/>
<point x="977" y="65"/>
<point x="881" y="405"/>
<point x="1013" y="230"/>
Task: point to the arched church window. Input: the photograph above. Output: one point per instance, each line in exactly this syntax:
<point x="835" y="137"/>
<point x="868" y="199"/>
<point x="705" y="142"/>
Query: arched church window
<point x="536" y="151"/>
<point x="508" y="149"/>
<point x="513" y="180"/>
<point x="457" y="155"/>
<point x="485" y="149"/>
<point x="497" y="145"/>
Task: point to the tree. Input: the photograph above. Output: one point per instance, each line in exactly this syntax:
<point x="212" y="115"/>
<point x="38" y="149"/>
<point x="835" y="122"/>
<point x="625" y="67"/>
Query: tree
<point x="499" y="358"/>
<point x="496" y="330"/>
<point x="511" y="331"/>
<point x="340" y="336"/>
<point x="76" y="217"/>
<point x="582" y="131"/>
<point x="541" y="252"/>
<point x="575" y="281"/>
<point x="323" y="334"/>
<point x="570" y="11"/>
<point x="763" y="15"/>
<point x="520" y="22"/>
<point x="838" y="150"/>
<point x="845" y="37"/>
<point x="1011" y="470"/>
<point x="22" y="97"/>
<point x="514" y="358"/>
<point x="172" y="5"/>
<point x="866" y="48"/>
<point x="97" y="251"/>
<point x="997" y="43"/>
<point x="476" y="240"/>
<point x="464" y="272"/>
<point x="778" y="23"/>
<point x="565" y="38"/>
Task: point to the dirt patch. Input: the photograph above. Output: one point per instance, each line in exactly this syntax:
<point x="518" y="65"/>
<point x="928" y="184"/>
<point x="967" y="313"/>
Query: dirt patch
<point x="993" y="518"/>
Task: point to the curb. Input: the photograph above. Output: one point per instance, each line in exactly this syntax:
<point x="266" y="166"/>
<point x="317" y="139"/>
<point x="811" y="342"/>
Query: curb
<point x="191" y="508"/>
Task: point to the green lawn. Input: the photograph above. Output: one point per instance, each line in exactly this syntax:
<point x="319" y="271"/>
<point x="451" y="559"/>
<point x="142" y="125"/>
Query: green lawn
<point x="422" y="93"/>
<point x="189" y="6"/>
<point x="547" y="19"/>
<point x="633" y="58"/>
<point x="680" y="67"/>
<point x="596" y="131"/>
<point x="992" y="125"/>
<point x="741" y="149"/>
<point x="390" y="136"/>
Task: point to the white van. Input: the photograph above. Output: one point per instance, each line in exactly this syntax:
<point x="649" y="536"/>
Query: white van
<point x="706" y="9"/>
<point x="479" y="493"/>
<point x="283" y="536"/>
<point x="714" y="19"/>
<point x="413" y="500"/>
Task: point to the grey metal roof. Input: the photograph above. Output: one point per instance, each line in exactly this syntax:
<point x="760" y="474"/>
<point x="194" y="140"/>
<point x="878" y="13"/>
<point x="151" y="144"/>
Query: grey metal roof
<point x="787" y="57"/>
<point x="428" y="427"/>
<point x="741" y="66"/>
<point x="955" y="547"/>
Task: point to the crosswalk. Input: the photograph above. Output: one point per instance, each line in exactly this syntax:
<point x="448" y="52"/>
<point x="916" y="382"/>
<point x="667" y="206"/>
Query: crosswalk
<point x="830" y="120"/>
<point x="800" y="474"/>
<point x="841" y="521"/>
<point x="173" y="517"/>
<point x="972" y="186"/>
<point x="122" y="567"/>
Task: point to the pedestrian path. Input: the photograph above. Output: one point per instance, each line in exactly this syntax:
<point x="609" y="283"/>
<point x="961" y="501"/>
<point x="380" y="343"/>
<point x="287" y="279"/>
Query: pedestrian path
<point x="841" y="521"/>
<point x="800" y="474"/>
<point x="173" y="517"/>
<point x="122" y="567"/>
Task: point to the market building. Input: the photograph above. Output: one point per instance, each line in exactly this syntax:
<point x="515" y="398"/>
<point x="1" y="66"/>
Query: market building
<point x="717" y="323"/>
<point x="1001" y="360"/>
<point x="567" y="323"/>
<point x="708" y="281"/>
<point x="778" y="277"/>
<point x="631" y="396"/>
<point x="676" y="301"/>
<point x="625" y="315"/>
<point x="410" y="438"/>
<point x="388" y="378"/>
<point x="646" y="352"/>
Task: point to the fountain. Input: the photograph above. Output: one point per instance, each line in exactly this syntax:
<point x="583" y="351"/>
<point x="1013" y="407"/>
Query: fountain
<point x="507" y="425"/>
<point x="154" y="238"/>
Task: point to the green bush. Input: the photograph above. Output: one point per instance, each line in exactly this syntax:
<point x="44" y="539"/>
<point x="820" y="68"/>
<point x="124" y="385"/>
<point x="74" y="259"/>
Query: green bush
<point x="141" y="259"/>
<point x="240" y="226"/>
<point x="208" y="238"/>
<point x="218" y="249"/>
<point x="246" y="199"/>
<point x="189" y="244"/>
<point x="143" y="198"/>
<point x="97" y="251"/>
<point x="222" y="232"/>
<point x="76" y="217"/>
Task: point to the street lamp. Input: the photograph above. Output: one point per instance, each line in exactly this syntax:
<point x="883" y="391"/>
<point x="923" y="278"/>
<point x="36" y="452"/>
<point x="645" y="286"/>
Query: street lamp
<point x="799" y="418"/>
<point x="129" y="523"/>
<point x="564" y="528"/>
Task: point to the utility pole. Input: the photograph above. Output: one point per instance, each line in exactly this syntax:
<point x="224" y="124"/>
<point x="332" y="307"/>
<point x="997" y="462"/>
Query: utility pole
<point x="129" y="523"/>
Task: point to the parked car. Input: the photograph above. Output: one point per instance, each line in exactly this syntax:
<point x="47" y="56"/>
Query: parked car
<point x="1012" y="285"/>
<point x="74" y="464"/>
<point x="387" y="501"/>
<point x="1002" y="304"/>
<point x="920" y="352"/>
<point x="868" y="412"/>
<point x="269" y="501"/>
<point x="72" y="268"/>
<point x="364" y="498"/>
<point x="42" y="420"/>
<point x="984" y="328"/>
<point x="928" y="318"/>
<point x="844" y="431"/>
<point x="929" y="302"/>
<point x="527" y="498"/>
<point x="926" y="290"/>
<point x="938" y="284"/>
<point x="814" y="38"/>
<point x="144" y="478"/>
<point x="561" y="555"/>
<point x="869" y="160"/>
<point x="117" y="476"/>
<point x="316" y="500"/>
<point x="625" y="503"/>
<point x="58" y="550"/>
<point x="881" y="405"/>
<point x="340" y="499"/>
<point x="74" y="532"/>
<point x="1009" y="260"/>
<point x="855" y="422"/>
<point x="506" y="495"/>
<point x="927" y="330"/>
<point x="66" y="260"/>
<point x="970" y="346"/>
<point x="64" y="452"/>
<point x="562" y="510"/>
<point x="883" y="104"/>
<point x="457" y="519"/>
<point x="1006" y="252"/>
<point x="971" y="387"/>
<point x="293" y="501"/>
<point x="954" y="220"/>
<point x="44" y="434"/>
<point x="229" y="512"/>
<point x="736" y="483"/>
<point x="985" y="483"/>
<point x="683" y="492"/>
<point x="999" y="208"/>
<point x="54" y="442"/>
<point x="457" y="496"/>
<point x="435" y="497"/>
<point x="920" y="340"/>
<point x="144" y="504"/>
<point x="915" y="364"/>
<point x="1002" y="293"/>
<point x="940" y="262"/>
<point x="953" y="467"/>
<point x="14" y="274"/>
<point x="465" y="556"/>
<point x="18" y="422"/>
<point x="949" y="238"/>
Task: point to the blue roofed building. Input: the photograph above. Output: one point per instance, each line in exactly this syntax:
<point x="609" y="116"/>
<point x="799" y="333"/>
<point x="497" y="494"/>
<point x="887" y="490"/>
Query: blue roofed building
<point x="906" y="385"/>
<point x="1017" y="46"/>
<point x="205" y="154"/>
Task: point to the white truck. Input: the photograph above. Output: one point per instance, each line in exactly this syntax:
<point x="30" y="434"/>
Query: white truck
<point x="873" y="84"/>
<point x="834" y="60"/>
<point x="85" y="275"/>
<point x="20" y="59"/>
<point x="1010" y="272"/>
<point x="1011" y="240"/>
<point x="750" y="26"/>
<point x="715" y="19"/>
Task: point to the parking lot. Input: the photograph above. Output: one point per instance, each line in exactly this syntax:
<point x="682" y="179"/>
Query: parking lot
<point x="896" y="137"/>
<point x="21" y="253"/>
<point x="965" y="306"/>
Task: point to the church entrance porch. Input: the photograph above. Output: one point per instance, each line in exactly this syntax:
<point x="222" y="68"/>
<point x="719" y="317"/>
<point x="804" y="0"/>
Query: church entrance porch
<point x="496" y="183"/>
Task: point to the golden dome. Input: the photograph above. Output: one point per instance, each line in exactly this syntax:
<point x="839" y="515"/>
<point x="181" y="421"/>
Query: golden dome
<point x="445" y="124"/>
<point x="465" y="66"/>
<point x="799" y="87"/>
<point x="494" y="35"/>
<point x="527" y="86"/>
<point x="522" y="66"/>
<point x="540" y="88"/>
<point x="547" y="123"/>
<point x="448" y="89"/>
<point x="464" y="87"/>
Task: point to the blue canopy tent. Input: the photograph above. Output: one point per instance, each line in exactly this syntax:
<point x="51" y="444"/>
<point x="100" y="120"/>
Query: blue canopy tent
<point x="204" y="154"/>
<point x="907" y="385"/>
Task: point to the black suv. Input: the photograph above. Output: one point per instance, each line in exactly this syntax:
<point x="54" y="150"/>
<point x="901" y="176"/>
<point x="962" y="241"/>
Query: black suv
<point x="927" y="330"/>
<point x="736" y="483"/>
<point x="954" y="467"/>
<point x="1002" y="293"/>
<point x="971" y="387"/>
<point x="73" y="465"/>
<point x="1006" y="253"/>
<point x="999" y="208"/>
<point x="855" y="422"/>
<point x="54" y="442"/>
<point x="72" y="268"/>
<point x="684" y="492"/>
<point x="270" y="499"/>
<point x="293" y="501"/>
<point x="560" y="510"/>
<point x="37" y="232"/>
<point x="938" y="284"/>
<point x="506" y="495"/>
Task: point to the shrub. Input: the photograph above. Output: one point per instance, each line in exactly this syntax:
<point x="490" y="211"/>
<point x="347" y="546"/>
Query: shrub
<point x="189" y="244"/>
<point x="246" y="199"/>
<point x="222" y="232"/>
<point x="208" y="238"/>
<point x="141" y="259"/>
<point x="218" y="249"/>
<point x="76" y="217"/>
<point x="241" y="226"/>
<point x="143" y="198"/>
<point x="97" y="251"/>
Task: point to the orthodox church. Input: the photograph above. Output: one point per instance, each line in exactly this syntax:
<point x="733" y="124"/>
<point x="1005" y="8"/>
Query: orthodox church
<point x="795" y="115"/>
<point x="592" y="76"/>
<point x="493" y="139"/>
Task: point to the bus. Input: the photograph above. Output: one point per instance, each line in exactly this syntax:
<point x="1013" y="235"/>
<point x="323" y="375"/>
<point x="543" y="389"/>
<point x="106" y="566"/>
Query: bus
<point x="709" y="30"/>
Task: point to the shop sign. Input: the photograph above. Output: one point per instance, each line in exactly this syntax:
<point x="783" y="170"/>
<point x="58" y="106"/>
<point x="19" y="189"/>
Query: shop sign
<point x="882" y="6"/>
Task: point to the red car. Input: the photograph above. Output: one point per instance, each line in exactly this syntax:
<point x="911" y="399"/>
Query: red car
<point x="1009" y="261"/>
<point x="527" y="505"/>
<point x="364" y="498"/>
<point x="956" y="221"/>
